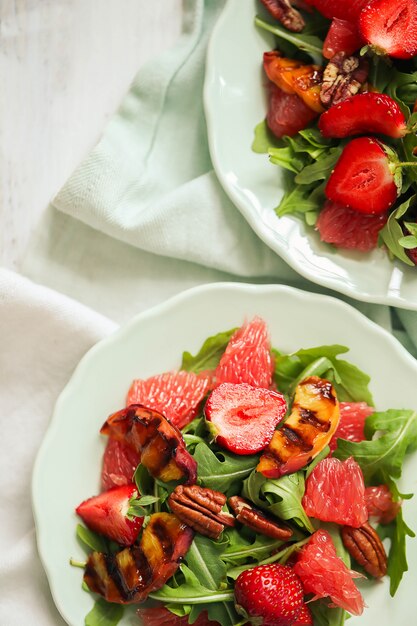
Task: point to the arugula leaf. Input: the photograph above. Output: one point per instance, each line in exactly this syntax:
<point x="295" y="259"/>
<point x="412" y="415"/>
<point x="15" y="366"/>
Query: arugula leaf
<point x="297" y="200"/>
<point x="392" y="232"/>
<point x="240" y="549"/>
<point x="326" y="616"/>
<point x="264" y="139"/>
<point x="402" y="87"/>
<point x="209" y="355"/>
<point x="397" y="531"/>
<point x="138" y="506"/>
<point x="104" y="614"/>
<point x="280" y="497"/>
<point x="320" y="170"/>
<point x="222" y="471"/>
<point x="410" y="241"/>
<point x="143" y="480"/>
<point x="310" y="44"/>
<point x="350" y="382"/>
<point x="91" y="540"/>
<point x="386" y="452"/>
<point x="315" y="138"/>
<point x="285" y="157"/>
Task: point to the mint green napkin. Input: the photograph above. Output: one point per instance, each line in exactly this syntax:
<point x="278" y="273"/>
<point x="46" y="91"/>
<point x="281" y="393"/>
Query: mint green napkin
<point x="149" y="183"/>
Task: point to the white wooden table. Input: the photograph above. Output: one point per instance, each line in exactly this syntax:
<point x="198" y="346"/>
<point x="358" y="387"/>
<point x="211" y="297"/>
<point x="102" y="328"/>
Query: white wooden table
<point x="64" y="67"/>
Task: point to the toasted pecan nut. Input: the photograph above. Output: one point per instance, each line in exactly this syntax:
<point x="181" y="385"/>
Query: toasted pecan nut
<point x="253" y="518"/>
<point x="343" y="77"/>
<point x="282" y="11"/>
<point x="365" y="546"/>
<point x="201" y="509"/>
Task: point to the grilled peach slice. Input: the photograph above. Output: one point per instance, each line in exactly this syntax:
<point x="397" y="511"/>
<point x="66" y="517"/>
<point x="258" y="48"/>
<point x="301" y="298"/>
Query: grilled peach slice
<point x="159" y="443"/>
<point x="314" y="418"/>
<point x="133" y="573"/>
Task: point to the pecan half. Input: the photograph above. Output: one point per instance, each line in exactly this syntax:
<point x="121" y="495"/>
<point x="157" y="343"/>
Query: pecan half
<point x="365" y="546"/>
<point x="256" y="520"/>
<point x="342" y="78"/>
<point x="282" y="11"/>
<point x="201" y="509"/>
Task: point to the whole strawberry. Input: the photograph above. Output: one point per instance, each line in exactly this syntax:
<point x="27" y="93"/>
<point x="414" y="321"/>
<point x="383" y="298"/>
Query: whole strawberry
<point x="269" y="595"/>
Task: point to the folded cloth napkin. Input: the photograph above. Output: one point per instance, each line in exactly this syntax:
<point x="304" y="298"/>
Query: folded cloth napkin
<point x="43" y="336"/>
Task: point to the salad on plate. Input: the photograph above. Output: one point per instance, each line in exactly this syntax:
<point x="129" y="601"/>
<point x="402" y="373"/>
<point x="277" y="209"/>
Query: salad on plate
<point x="342" y="119"/>
<point x="250" y="486"/>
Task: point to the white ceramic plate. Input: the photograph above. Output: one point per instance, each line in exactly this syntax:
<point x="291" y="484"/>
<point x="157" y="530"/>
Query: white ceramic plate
<point x="68" y="466"/>
<point x="235" y="103"/>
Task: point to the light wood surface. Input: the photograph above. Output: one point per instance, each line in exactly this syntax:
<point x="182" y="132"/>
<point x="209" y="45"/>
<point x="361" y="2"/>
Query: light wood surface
<point x="64" y="66"/>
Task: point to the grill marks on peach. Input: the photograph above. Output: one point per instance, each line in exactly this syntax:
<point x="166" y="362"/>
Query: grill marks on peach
<point x="313" y="420"/>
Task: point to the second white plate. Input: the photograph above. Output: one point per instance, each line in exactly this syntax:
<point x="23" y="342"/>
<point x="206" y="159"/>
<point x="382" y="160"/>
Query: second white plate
<point x="235" y="103"/>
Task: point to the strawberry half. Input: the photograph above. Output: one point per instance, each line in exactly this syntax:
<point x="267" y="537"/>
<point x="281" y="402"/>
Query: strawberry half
<point x="243" y="417"/>
<point x="348" y="229"/>
<point x="305" y="617"/>
<point x="343" y="36"/>
<point x="342" y="9"/>
<point x="390" y="27"/>
<point x="364" y="113"/>
<point x="287" y="113"/>
<point x="364" y="177"/>
<point x="269" y="594"/>
<point x="106" y="514"/>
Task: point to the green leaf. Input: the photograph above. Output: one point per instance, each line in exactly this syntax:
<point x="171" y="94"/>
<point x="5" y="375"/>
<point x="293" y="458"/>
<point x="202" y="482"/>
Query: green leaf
<point x="397" y="531"/>
<point x="297" y="200"/>
<point x="104" y="614"/>
<point x="222" y="471"/>
<point x="191" y="592"/>
<point x="240" y="549"/>
<point x="285" y="157"/>
<point x="310" y="44"/>
<point x="408" y="242"/>
<point x="144" y="481"/>
<point x="264" y="139"/>
<point x="322" y="455"/>
<point x="392" y="232"/>
<point x="91" y="540"/>
<point x="320" y="170"/>
<point x="280" y="497"/>
<point x="313" y="136"/>
<point x="411" y="227"/>
<point x="209" y="355"/>
<point x="351" y="384"/>
<point x="138" y="506"/>
<point x="385" y="452"/>
<point x="326" y="616"/>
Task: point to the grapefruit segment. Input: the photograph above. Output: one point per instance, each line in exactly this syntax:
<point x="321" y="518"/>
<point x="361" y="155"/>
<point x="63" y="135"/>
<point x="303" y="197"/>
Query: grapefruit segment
<point x="380" y="504"/>
<point x="119" y="464"/>
<point x="335" y="492"/>
<point x="346" y="228"/>
<point x="160" y="616"/>
<point x="325" y="575"/>
<point x="176" y="395"/>
<point x="352" y="422"/>
<point x="247" y="358"/>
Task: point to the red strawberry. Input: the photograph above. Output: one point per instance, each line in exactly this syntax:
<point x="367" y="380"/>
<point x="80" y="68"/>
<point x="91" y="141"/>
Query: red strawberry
<point x="247" y="358"/>
<point x="413" y="255"/>
<point x="287" y="113"/>
<point x="305" y="617"/>
<point x="342" y="9"/>
<point x="364" y="113"/>
<point x="343" y="36"/>
<point x="243" y="417"/>
<point x="363" y="178"/>
<point x="380" y="505"/>
<point x="174" y="394"/>
<point x="390" y="27"/>
<point x="349" y="229"/>
<point x="271" y="593"/>
<point x="107" y="514"/>
<point x="119" y="464"/>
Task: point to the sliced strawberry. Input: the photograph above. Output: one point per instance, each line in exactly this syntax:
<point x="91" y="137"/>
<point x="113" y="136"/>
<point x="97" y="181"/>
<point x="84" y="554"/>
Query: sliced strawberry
<point x="390" y="27"/>
<point x="380" y="504"/>
<point x="176" y="395"/>
<point x="364" y="113"/>
<point x="119" y="464"/>
<point x="243" y="417"/>
<point x="342" y="9"/>
<point x="363" y="178"/>
<point x="304" y="618"/>
<point x="107" y="514"/>
<point x="247" y="358"/>
<point x="352" y="422"/>
<point x="349" y="229"/>
<point x="343" y="36"/>
<point x="287" y="113"/>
